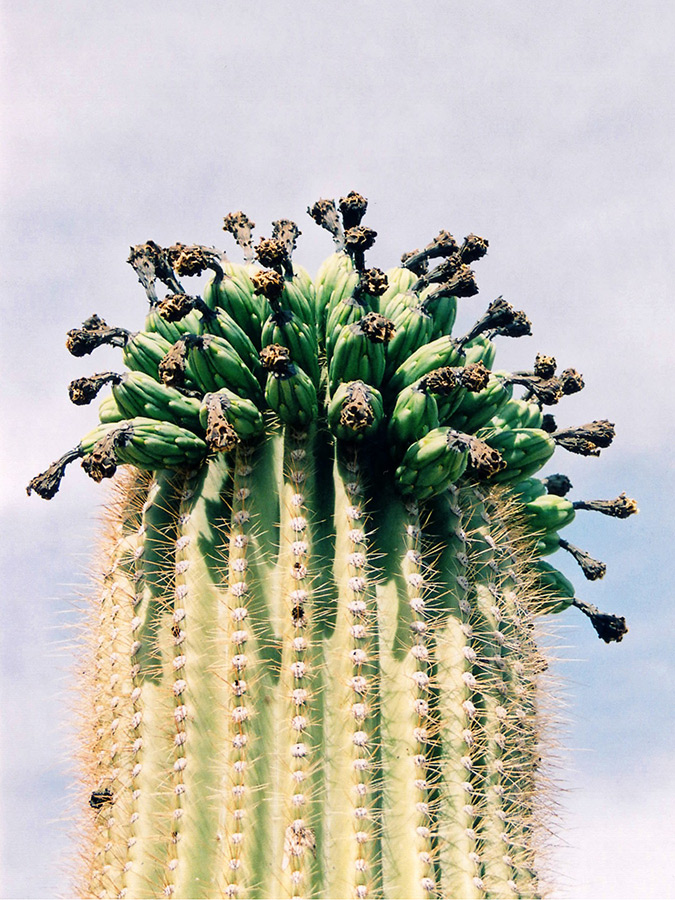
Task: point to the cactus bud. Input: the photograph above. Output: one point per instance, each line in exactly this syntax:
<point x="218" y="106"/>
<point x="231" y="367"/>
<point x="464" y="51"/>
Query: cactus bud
<point x="559" y="485"/>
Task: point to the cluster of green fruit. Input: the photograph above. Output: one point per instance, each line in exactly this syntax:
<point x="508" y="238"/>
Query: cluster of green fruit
<point x="369" y="354"/>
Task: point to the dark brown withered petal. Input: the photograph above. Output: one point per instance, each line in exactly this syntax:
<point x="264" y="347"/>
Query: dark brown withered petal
<point x="172" y="367"/>
<point x="83" y="390"/>
<point x="189" y="260"/>
<point x="287" y="232"/>
<point x="620" y="508"/>
<point x="240" y="227"/>
<point x="175" y="307"/>
<point x="94" y="333"/>
<point x="586" y="439"/>
<point x="352" y="208"/>
<point x="473" y="248"/>
<point x="373" y="282"/>
<point x="416" y="261"/>
<point x="377" y="328"/>
<point x="548" y="423"/>
<point x="572" y="381"/>
<point x="359" y="238"/>
<point x="276" y="358"/>
<point x="440" y="381"/>
<point x="484" y="460"/>
<point x="102" y="462"/>
<point x="357" y="413"/>
<point x="48" y="482"/>
<point x="268" y="283"/>
<point x="544" y="366"/>
<point x="608" y="627"/>
<point x="324" y="213"/>
<point x="272" y="253"/>
<point x="475" y="377"/>
<point x="593" y="569"/>
<point x="501" y="318"/>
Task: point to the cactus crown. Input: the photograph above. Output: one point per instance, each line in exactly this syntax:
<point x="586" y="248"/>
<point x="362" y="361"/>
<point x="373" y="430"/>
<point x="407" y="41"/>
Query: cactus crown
<point x="314" y="673"/>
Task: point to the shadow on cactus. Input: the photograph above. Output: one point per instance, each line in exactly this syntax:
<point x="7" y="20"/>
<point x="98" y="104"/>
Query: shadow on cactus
<point x="313" y="671"/>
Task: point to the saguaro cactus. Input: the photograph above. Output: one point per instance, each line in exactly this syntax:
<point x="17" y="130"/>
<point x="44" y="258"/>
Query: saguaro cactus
<point x="312" y="669"/>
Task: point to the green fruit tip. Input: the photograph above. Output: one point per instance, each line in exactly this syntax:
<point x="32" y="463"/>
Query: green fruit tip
<point x="473" y="248"/>
<point x="587" y="440"/>
<point x="83" y="390"/>
<point x="378" y="329"/>
<point x="46" y="484"/>
<point x="608" y="627"/>
<point x="620" y="508"/>
<point x="500" y="318"/>
<point x="287" y="232"/>
<point x="241" y="227"/>
<point x="558" y="484"/>
<point x="94" y="333"/>
<point x="352" y="208"/>
<point x="593" y="569"/>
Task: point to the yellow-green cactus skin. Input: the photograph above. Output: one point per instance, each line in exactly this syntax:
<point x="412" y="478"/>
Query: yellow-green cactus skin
<point x="311" y="668"/>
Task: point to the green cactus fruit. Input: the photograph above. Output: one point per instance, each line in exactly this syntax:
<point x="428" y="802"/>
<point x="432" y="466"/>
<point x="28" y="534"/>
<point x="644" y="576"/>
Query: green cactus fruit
<point x="312" y="669"/>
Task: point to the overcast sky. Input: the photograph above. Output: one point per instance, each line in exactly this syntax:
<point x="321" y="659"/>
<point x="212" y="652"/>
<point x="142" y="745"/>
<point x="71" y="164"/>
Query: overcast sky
<point x="544" y="126"/>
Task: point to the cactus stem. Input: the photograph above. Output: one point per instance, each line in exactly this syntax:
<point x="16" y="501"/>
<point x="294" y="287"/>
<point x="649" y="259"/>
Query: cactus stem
<point x="198" y="687"/>
<point x="352" y="833"/>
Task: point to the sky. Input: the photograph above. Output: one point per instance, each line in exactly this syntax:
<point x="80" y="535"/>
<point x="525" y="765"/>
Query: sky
<point x="544" y="126"/>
